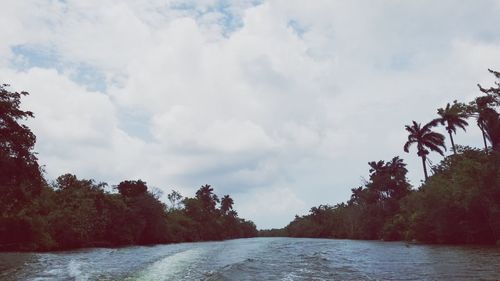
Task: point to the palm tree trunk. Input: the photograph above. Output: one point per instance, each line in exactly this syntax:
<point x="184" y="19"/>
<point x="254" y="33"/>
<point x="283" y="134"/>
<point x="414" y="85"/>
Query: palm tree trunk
<point x="484" y="139"/>
<point x="425" y="167"/>
<point x="452" y="143"/>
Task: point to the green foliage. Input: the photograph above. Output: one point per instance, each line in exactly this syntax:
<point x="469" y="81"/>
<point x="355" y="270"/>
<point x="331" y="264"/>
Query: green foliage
<point x="485" y="110"/>
<point x="212" y="223"/>
<point x="369" y="214"/>
<point x="274" y="232"/>
<point x="20" y="176"/>
<point x="132" y="188"/>
<point x="453" y="116"/>
<point x="73" y="212"/>
<point x="21" y="181"/>
<point x="226" y="204"/>
<point x="175" y="199"/>
<point x="425" y="139"/>
<point x="460" y="203"/>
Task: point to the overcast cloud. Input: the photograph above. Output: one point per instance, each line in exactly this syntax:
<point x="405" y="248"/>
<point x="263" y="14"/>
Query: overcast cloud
<point x="280" y="104"/>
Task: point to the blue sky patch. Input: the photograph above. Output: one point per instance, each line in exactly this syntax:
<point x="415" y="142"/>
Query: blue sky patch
<point x="30" y="56"/>
<point x="298" y="28"/>
<point x="230" y="20"/>
<point x="135" y="123"/>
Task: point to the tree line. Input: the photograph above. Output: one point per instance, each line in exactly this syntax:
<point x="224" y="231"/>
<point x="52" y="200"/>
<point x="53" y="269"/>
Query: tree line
<point x="458" y="203"/>
<point x="71" y="212"/>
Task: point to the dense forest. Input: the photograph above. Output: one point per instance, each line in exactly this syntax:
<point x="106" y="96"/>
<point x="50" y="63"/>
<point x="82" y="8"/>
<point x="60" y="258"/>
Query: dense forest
<point x="70" y="212"/>
<point x="458" y="203"/>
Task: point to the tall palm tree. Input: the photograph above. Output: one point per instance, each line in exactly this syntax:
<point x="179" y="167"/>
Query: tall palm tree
<point x="452" y="116"/>
<point x="207" y="197"/>
<point x="484" y="108"/>
<point x="488" y="119"/>
<point x="425" y="139"/>
<point x="226" y="204"/>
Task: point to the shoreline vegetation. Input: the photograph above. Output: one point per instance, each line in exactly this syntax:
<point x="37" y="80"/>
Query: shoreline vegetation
<point x="458" y="203"/>
<point x="70" y="213"/>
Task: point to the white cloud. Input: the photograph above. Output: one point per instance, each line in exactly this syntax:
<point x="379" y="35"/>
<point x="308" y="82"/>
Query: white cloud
<point x="280" y="104"/>
<point x="276" y="200"/>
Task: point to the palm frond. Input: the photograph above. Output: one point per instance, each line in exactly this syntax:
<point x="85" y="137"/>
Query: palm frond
<point x="407" y="146"/>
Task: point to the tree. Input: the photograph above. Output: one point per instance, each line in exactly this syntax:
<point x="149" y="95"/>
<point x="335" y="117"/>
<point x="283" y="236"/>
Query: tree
<point x="226" y="204"/>
<point x="207" y="197"/>
<point x="20" y="174"/>
<point x="452" y="116"/>
<point x="484" y="108"/>
<point x="459" y="203"/>
<point x="425" y="139"/>
<point x="492" y="91"/>
<point x="388" y="179"/>
<point x="175" y="199"/>
<point x="488" y="121"/>
<point x="77" y="218"/>
<point x="21" y="181"/>
<point x="132" y="188"/>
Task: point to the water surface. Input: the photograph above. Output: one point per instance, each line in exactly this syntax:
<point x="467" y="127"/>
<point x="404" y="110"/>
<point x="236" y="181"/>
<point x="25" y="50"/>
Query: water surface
<point x="260" y="259"/>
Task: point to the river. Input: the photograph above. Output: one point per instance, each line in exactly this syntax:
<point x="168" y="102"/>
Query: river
<point x="260" y="259"/>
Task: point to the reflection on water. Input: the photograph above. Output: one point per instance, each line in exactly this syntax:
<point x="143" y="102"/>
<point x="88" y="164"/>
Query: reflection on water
<point x="260" y="259"/>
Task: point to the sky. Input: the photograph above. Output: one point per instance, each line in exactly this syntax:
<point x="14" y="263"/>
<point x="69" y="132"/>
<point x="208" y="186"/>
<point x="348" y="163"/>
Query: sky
<point x="280" y="104"/>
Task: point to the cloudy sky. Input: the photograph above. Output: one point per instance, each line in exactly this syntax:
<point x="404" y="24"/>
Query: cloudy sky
<point x="279" y="103"/>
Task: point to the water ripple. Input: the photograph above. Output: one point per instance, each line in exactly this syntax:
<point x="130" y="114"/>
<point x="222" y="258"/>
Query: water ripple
<point x="260" y="259"/>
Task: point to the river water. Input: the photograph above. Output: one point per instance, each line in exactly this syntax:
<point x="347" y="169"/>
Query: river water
<point x="260" y="259"/>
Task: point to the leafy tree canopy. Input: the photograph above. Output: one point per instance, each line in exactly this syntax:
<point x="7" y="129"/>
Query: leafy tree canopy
<point x="132" y="188"/>
<point x="20" y="176"/>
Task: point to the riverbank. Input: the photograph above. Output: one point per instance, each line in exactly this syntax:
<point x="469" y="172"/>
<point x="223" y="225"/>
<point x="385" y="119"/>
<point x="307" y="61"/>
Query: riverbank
<point x="458" y="204"/>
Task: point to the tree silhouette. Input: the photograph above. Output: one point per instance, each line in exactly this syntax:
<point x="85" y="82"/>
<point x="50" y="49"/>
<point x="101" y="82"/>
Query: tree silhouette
<point x="484" y="108"/>
<point x="207" y="197"/>
<point x="175" y="199"/>
<point x="452" y="116"/>
<point x="488" y="120"/>
<point x="388" y="179"/>
<point x="132" y="188"/>
<point x="71" y="212"/>
<point x="425" y="139"/>
<point x="20" y="174"/>
<point x="226" y="204"/>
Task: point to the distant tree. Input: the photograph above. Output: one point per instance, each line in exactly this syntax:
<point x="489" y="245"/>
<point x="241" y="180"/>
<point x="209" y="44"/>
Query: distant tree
<point x="425" y="139"/>
<point x="388" y="179"/>
<point x="226" y="204"/>
<point x="175" y="199"/>
<point x="70" y="181"/>
<point x="485" y="110"/>
<point x="147" y="214"/>
<point x="492" y="91"/>
<point x="452" y="116"/>
<point x="131" y="188"/>
<point x="156" y="192"/>
<point x="206" y="195"/>
<point x="77" y="219"/>
<point x="488" y="121"/>
<point x="152" y="218"/>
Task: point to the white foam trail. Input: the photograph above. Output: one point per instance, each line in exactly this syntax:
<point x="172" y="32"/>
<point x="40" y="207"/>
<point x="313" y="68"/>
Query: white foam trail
<point x="173" y="267"/>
